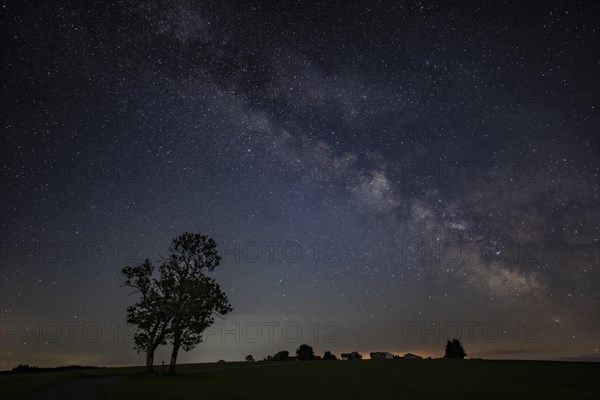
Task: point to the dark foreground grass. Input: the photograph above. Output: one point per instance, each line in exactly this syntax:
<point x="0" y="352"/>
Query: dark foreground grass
<point x="14" y="386"/>
<point x="397" y="379"/>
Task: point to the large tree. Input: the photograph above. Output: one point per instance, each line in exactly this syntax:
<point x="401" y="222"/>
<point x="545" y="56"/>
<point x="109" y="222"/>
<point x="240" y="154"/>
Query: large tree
<point x="150" y="313"/>
<point x="195" y="297"/>
<point x="181" y="303"/>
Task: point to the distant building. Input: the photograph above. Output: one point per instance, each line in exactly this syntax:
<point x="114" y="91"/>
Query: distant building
<point x="382" y="355"/>
<point x="411" y="356"/>
<point x="355" y="355"/>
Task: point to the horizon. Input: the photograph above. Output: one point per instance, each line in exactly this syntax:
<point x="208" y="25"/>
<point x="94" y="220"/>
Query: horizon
<point x="318" y="352"/>
<point x="366" y="357"/>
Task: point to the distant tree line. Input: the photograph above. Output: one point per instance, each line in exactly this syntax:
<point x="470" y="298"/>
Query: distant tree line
<point x="303" y="353"/>
<point x="454" y="349"/>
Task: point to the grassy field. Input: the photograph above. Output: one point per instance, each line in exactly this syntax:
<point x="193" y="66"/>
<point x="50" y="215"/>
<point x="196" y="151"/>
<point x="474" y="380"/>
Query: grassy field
<point x="397" y="379"/>
<point x="13" y="386"/>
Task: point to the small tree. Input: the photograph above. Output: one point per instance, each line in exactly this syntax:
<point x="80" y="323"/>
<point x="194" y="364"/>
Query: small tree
<point x="249" y="358"/>
<point x="305" y="353"/>
<point x="329" y="356"/>
<point x="454" y="349"/>
<point x="460" y="350"/>
<point x="150" y="313"/>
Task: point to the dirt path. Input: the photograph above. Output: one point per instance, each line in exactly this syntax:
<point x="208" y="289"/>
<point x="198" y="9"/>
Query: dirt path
<point x="84" y="389"/>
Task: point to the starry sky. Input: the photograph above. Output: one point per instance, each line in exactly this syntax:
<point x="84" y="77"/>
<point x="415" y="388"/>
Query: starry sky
<point x="379" y="176"/>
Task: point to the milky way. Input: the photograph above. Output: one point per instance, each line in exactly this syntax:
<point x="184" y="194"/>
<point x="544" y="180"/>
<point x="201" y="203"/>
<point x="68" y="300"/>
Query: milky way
<point x="378" y="177"/>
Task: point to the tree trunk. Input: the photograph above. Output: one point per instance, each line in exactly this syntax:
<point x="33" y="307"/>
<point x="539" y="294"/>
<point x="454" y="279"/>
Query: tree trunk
<point x="173" y="364"/>
<point x="150" y="359"/>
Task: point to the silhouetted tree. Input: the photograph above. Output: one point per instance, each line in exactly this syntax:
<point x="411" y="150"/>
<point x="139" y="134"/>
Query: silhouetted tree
<point x="329" y="356"/>
<point x="150" y="314"/>
<point x="454" y="349"/>
<point x="305" y="353"/>
<point x="460" y="349"/>
<point x="249" y="358"/>
<point x="195" y="298"/>
<point x="450" y="352"/>
<point x="281" y="356"/>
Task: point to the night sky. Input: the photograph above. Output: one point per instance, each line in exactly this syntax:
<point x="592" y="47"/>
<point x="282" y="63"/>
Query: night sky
<point x="378" y="176"/>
